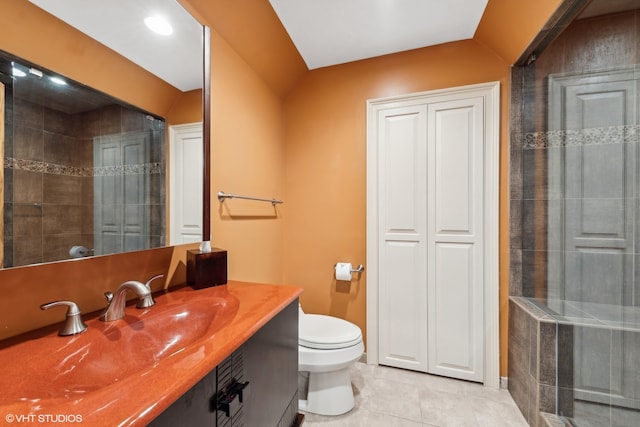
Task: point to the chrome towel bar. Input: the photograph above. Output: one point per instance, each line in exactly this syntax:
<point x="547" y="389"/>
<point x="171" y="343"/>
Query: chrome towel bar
<point x="222" y="195"/>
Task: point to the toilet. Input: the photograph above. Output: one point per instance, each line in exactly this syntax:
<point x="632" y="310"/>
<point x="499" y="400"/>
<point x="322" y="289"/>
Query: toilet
<point x="327" y="347"/>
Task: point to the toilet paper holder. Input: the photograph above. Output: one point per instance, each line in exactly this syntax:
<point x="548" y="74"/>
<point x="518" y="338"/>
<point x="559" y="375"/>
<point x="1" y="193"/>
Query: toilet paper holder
<point x="360" y="268"/>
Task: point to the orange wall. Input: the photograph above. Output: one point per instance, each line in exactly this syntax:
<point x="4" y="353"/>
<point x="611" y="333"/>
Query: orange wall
<point x="508" y="27"/>
<point x="32" y="34"/>
<point x="325" y="140"/>
<point x="308" y="149"/>
<point x="256" y="34"/>
<point x="322" y="153"/>
<point x="247" y="158"/>
<point x="83" y="281"/>
<point x="187" y="108"/>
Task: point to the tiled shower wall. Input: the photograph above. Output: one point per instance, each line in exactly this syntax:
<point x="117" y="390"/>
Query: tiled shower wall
<point x="581" y="46"/>
<point x="52" y="200"/>
<point x="532" y="360"/>
<point x="585" y="45"/>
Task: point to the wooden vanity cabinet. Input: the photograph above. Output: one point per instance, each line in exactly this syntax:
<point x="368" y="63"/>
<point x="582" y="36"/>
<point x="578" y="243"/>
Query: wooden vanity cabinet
<point x="255" y="386"/>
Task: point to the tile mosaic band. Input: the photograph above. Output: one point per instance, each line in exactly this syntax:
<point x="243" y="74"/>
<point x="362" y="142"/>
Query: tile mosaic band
<point x="54" y="169"/>
<point x="592" y="136"/>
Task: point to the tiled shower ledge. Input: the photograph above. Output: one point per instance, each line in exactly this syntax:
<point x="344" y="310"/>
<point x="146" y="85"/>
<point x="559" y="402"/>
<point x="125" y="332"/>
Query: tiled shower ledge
<point x="585" y="313"/>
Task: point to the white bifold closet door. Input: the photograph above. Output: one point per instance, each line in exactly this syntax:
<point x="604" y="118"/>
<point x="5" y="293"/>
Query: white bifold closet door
<point x="430" y="213"/>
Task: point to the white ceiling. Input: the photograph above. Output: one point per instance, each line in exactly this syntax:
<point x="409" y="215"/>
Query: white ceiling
<point x="326" y="32"/>
<point x="119" y="24"/>
<point x="330" y="32"/>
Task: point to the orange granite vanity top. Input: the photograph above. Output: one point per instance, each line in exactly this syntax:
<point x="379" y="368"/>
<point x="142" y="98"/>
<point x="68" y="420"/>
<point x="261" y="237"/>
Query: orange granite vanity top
<point x="127" y="372"/>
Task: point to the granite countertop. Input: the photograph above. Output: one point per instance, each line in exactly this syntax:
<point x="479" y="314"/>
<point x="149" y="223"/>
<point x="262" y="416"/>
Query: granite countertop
<point x="127" y="372"/>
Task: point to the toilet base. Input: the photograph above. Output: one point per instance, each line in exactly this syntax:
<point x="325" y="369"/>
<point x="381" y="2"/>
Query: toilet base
<point x="329" y="393"/>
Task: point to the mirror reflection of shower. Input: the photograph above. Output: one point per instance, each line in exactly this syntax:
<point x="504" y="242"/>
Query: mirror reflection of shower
<point x="81" y="170"/>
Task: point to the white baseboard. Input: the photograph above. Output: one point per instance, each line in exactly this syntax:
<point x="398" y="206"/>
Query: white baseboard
<point x="504" y="383"/>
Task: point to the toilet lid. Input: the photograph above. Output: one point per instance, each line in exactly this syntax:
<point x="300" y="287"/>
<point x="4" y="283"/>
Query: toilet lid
<point x="327" y="332"/>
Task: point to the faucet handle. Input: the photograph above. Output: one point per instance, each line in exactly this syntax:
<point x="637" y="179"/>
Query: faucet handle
<point x="157" y="276"/>
<point x="147" y="301"/>
<point x="73" y="323"/>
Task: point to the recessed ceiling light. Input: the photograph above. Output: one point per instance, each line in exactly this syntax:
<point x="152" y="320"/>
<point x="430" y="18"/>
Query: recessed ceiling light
<point x="18" y="73"/>
<point x="159" y="25"/>
<point x="36" y="72"/>
<point x="58" y="81"/>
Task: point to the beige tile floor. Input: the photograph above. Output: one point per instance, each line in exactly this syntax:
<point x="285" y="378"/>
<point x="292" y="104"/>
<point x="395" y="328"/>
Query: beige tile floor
<point x="389" y="397"/>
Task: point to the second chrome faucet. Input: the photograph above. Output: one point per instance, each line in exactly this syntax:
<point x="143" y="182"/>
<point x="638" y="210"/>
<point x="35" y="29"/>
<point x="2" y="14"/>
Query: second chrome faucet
<point x="117" y="301"/>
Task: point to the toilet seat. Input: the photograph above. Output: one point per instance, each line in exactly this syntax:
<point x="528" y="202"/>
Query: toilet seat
<point x="326" y="332"/>
<point x="327" y="347"/>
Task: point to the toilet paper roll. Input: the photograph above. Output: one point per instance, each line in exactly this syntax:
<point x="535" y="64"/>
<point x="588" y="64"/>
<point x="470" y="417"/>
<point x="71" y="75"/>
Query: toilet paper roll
<point x="343" y="271"/>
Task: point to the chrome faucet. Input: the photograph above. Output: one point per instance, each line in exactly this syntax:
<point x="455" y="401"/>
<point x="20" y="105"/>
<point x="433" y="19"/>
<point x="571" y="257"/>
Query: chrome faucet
<point x="116" y="302"/>
<point x="73" y="323"/>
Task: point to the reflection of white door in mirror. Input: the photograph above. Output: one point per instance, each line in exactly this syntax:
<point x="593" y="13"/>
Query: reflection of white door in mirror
<point x="122" y="220"/>
<point x="185" y="187"/>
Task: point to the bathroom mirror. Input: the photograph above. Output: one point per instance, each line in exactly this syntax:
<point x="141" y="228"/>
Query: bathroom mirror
<point x="140" y="133"/>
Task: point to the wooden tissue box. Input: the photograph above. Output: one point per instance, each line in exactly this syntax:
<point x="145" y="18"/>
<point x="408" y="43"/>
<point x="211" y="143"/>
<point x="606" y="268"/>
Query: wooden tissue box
<point x="206" y="269"/>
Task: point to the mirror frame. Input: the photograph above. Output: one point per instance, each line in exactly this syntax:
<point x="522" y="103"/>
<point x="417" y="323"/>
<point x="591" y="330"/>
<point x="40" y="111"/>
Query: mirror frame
<point x="206" y="133"/>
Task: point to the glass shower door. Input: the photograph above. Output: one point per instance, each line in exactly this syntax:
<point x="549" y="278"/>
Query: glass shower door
<point x="592" y="168"/>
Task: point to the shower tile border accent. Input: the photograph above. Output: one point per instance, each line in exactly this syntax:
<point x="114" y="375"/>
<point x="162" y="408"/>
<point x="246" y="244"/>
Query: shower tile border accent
<point x="626" y="134"/>
<point x="55" y="169"/>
